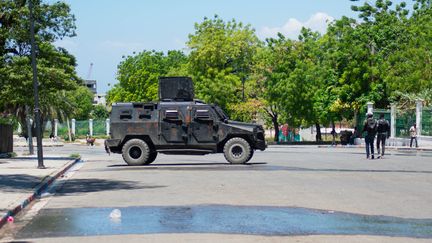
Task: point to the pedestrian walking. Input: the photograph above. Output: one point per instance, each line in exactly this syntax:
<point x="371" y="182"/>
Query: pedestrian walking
<point x="413" y="134"/>
<point x="383" y="132"/>
<point x="370" y="127"/>
<point x="333" y="133"/>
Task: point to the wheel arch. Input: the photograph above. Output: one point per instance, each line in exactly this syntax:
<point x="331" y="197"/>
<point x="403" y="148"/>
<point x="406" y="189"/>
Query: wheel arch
<point x="145" y="138"/>
<point x="221" y="144"/>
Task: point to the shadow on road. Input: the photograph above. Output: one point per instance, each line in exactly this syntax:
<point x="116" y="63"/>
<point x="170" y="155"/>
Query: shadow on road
<point x="16" y="182"/>
<point x="184" y="164"/>
<point x="45" y="158"/>
<point x="73" y="186"/>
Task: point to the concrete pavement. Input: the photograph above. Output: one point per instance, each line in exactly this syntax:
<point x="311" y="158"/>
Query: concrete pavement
<point x="336" y="180"/>
<point x="21" y="181"/>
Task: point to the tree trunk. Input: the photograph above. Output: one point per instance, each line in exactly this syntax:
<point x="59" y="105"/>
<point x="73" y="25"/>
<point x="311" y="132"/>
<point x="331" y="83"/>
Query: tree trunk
<point x="355" y="118"/>
<point x="318" y="136"/>
<point x="274" y="117"/>
<point x="276" y="127"/>
<point x="69" y="130"/>
<point x="52" y="128"/>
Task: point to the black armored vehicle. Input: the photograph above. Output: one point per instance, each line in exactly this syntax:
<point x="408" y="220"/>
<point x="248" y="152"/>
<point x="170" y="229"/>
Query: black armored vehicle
<point x="179" y="124"/>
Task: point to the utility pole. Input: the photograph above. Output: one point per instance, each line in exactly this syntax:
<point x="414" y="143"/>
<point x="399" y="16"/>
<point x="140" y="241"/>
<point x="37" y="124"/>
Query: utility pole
<point x="29" y="130"/>
<point x="35" y="90"/>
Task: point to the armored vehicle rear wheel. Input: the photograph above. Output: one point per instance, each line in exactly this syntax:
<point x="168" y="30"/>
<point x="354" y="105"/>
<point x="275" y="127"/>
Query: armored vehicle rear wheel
<point x="237" y="151"/>
<point x="151" y="158"/>
<point x="136" y="152"/>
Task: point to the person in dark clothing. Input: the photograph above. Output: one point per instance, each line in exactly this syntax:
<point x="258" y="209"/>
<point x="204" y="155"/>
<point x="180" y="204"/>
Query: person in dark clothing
<point x="413" y="134"/>
<point x="370" y="126"/>
<point x="383" y="132"/>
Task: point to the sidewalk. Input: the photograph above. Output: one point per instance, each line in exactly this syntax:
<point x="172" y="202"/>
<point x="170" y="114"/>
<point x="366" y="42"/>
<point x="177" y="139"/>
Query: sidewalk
<point x="21" y="181"/>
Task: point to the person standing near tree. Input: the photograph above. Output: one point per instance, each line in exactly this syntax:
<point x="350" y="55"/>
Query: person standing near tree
<point x="383" y="132"/>
<point x="370" y="127"/>
<point x="413" y="134"/>
<point x="333" y="133"/>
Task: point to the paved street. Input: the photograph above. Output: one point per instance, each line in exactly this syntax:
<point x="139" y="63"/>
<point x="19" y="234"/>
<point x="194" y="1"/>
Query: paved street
<point x="286" y="193"/>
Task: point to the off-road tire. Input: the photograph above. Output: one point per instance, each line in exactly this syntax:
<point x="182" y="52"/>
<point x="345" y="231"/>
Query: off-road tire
<point x="250" y="156"/>
<point x="237" y="151"/>
<point x="151" y="158"/>
<point x="135" y="152"/>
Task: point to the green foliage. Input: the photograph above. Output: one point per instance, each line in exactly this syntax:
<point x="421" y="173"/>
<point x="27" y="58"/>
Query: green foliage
<point x="82" y="101"/>
<point x="384" y="56"/>
<point x="56" y="67"/>
<point x="99" y="112"/>
<point x="8" y="120"/>
<point x="53" y="21"/>
<point x="138" y="75"/>
<point x="220" y="61"/>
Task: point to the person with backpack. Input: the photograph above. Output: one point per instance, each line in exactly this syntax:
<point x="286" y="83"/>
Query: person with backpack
<point x="370" y="127"/>
<point x="383" y="132"/>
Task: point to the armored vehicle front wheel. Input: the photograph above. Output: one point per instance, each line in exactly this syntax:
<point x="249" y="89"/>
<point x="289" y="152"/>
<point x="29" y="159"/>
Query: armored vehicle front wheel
<point x="151" y="158"/>
<point x="136" y="152"/>
<point x="237" y="151"/>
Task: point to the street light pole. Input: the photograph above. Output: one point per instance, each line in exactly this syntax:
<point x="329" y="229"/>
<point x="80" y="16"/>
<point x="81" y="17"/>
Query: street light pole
<point x="35" y="89"/>
<point x="29" y="130"/>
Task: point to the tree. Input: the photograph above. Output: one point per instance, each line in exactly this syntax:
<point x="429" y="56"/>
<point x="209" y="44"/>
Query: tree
<point x="56" y="66"/>
<point x="56" y="75"/>
<point x="138" y="75"/>
<point x="291" y="79"/>
<point x="407" y="69"/>
<point x="220" y="62"/>
<point x="81" y="100"/>
<point x="99" y="112"/>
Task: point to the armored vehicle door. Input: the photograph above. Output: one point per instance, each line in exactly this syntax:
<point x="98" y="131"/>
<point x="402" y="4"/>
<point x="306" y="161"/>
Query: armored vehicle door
<point x="204" y="124"/>
<point x="173" y="126"/>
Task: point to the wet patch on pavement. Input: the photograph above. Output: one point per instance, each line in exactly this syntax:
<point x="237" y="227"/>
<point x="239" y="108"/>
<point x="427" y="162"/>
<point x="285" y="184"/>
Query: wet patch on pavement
<point x="223" y="219"/>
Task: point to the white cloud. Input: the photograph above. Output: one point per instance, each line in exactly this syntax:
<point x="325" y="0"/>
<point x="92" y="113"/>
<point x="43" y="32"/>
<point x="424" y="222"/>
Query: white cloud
<point x="317" y="22"/>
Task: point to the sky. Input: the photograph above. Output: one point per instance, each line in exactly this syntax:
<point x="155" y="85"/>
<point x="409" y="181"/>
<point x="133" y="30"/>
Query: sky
<point x="107" y="30"/>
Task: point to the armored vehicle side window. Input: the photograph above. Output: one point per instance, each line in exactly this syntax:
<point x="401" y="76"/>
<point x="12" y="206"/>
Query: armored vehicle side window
<point x="172" y="115"/>
<point x="146" y="112"/>
<point x="126" y="115"/>
<point x="202" y="114"/>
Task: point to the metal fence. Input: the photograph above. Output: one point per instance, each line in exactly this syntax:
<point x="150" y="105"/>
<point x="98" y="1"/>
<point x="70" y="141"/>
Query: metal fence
<point x="377" y="112"/>
<point x="99" y="127"/>
<point x="427" y="121"/>
<point x="82" y="128"/>
<point x="404" y="120"/>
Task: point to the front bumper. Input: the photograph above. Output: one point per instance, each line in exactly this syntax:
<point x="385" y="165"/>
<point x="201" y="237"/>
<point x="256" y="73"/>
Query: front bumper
<point x="111" y="144"/>
<point x="261" y="145"/>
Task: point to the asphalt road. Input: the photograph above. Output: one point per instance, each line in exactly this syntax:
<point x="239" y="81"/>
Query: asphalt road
<point x="285" y="194"/>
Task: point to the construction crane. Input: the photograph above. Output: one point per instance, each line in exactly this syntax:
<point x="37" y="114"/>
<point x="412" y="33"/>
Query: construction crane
<point x="91" y="84"/>
<point x="90" y="71"/>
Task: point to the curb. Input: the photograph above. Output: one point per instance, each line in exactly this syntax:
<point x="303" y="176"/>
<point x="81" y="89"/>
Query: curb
<point x="47" y="181"/>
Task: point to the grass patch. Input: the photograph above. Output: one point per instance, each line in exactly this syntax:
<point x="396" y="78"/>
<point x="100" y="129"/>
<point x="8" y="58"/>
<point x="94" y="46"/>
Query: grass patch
<point x="75" y="156"/>
<point x="8" y="155"/>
